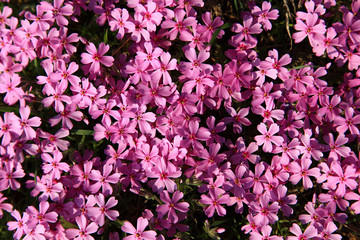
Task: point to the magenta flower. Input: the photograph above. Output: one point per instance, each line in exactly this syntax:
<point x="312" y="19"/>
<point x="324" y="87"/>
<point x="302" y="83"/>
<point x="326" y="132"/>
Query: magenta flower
<point x="120" y="21"/>
<point x="53" y="142"/>
<point x="264" y="235"/>
<point x="27" y="123"/>
<point x="301" y="171"/>
<point x="103" y="180"/>
<point x="268" y="137"/>
<point x="53" y="166"/>
<point x="8" y="175"/>
<point x="4" y="206"/>
<point x="96" y="57"/>
<point x="246" y="30"/>
<point x="309" y="233"/>
<point x="264" y="212"/>
<point x="265" y="15"/>
<point x="20" y="224"/>
<point x="9" y="85"/>
<point x="195" y="134"/>
<point x="214" y="201"/>
<point x="103" y="210"/>
<point x="163" y="171"/>
<point x="41" y="216"/>
<point x="327" y="231"/>
<point x="349" y="122"/>
<point x="313" y="29"/>
<point x="172" y="204"/>
<point x="341" y="180"/>
<point x="284" y="200"/>
<point x="138" y="233"/>
<point x="9" y="127"/>
<point x="84" y="231"/>
<point x="237" y="118"/>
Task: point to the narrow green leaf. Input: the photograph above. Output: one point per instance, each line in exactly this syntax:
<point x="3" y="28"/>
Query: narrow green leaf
<point x="236" y="5"/>
<point x="83" y="132"/>
<point x="106" y="36"/>
<point x="9" y="109"/>
<point x="216" y="33"/>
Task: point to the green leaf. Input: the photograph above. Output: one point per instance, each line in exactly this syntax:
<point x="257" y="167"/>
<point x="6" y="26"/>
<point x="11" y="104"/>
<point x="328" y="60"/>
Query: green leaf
<point x="216" y="33"/>
<point x="236" y="5"/>
<point x="217" y="223"/>
<point x="83" y="132"/>
<point x="106" y="36"/>
<point x="9" y="109"/>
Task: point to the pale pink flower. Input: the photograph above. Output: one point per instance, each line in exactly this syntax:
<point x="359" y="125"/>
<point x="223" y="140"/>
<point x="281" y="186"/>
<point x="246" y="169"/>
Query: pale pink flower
<point x="267" y="137"/>
<point x="103" y="210"/>
<point x="301" y="171"/>
<point x="96" y="57"/>
<point x="138" y="233"/>
<point x="214" y="201"/>
<point x="309" y="233"/>
<point x="19" y="225"/>
<point x="84" y="231"/>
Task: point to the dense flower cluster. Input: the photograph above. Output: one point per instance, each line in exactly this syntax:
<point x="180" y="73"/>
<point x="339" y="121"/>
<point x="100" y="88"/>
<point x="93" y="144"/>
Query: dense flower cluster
<point x="157" y="114"/>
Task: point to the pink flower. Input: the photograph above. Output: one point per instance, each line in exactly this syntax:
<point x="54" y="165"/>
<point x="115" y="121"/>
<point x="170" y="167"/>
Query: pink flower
<point x="41" y="217"/>
<point x="163" y="171"/>
<point x="57" y="97"/>
<point x="180" y="25"/>
<point x="268" y="137"/>
<point x="237" y="118"/>
<point x="20" y="224"/>
<point x="341" y="180"/>
<point x="165" y="65"/>
<point x="302" y="171"/>
<point x="9" y="85"/>
<point x="53" y="142"/>
<point x="196" y="62"/>
<point x="336" y="149"/>
<point x="265" y="15"/>
<point x="138" y="233"/>
<point x="246" y="30"/>
<point x="103" y="180"/>
<point x="328" y="43"/>
<point x="349" y="122"/>
<point x="96" y="57"/>
<point x="265" y="234"/>
<point x="8" y="175"/>
<point x="120" y="21"/>
<point x="265" y="212"/>
<point x="309" y="233"/>
<point x="27" y="123"/>
<point x="214" y="201"/>
<point x="172" y="204"/>
<point x="103" y="210"/>
<point x="6" y="12"/>
<point x="84" y="231"/>
<point x="53" y="165"/>
<point x="4" y="206"/>
<point x="152" y="18"/>
<point x="9" y="128"/>
<point x="313" y="29"/>
<point x="50" y="188"/>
